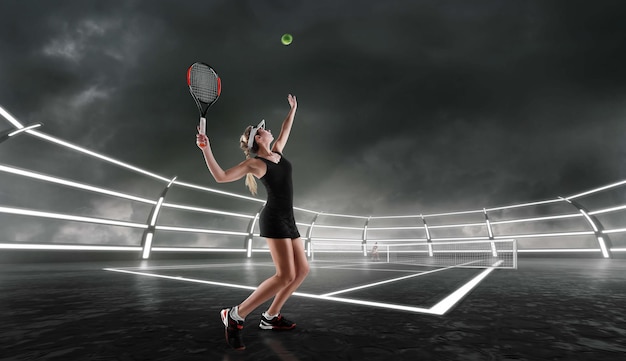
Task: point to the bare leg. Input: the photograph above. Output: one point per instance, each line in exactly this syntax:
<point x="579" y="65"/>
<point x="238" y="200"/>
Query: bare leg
<point x="301" y="271"/>
<point x="283" y="256"/>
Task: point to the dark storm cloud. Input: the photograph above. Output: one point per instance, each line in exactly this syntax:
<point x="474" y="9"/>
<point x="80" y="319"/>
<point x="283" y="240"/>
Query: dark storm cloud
<point x="403" y="105"/>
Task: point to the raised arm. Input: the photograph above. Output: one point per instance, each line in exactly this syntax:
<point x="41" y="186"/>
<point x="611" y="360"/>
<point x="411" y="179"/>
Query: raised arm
<point x="223" y="176"/>
<point x="281" y="141"/>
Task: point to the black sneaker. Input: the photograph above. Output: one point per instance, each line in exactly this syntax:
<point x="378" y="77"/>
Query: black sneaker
<point x="233" y="330"/>
<point x="276" y="323"/>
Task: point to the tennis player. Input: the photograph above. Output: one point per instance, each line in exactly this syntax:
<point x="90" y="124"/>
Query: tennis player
<point x="277" y="223"/>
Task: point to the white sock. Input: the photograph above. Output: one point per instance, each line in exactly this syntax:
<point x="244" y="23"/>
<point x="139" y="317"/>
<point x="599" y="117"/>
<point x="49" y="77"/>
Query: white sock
<point x="234" y="314"/>
<point x="268" y="316"/>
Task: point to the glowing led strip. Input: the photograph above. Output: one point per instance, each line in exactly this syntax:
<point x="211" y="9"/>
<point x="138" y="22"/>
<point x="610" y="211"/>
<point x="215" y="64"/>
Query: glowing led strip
<point x="205" y="210"/>
<point x="394" y="228"/>
<point x="24" y="129"/>
<point x="338" y="227"/>
<point x="336" y="239"/>
<point x="67" y="247"/>
<point x="608" y="210"/>
<point x="581" y="233"/>
<point x="481" y="224"/>
<point x="196" y="249"/>
<point x="212" y="190"/>
<point x="68" y="217"/>
<point x="10" y="118"/>
<point x="563" y="250"/>
<point x="574" y="215"/>
<point x="73" y="184"/>
<point x="597" y="190"/>
<point x="199" y="230"/>
<point x="342" y="215"/>
<point x="94" y="154"/>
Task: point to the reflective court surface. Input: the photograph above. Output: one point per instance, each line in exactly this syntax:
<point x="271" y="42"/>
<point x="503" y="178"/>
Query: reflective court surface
<point x="547" y="309"/>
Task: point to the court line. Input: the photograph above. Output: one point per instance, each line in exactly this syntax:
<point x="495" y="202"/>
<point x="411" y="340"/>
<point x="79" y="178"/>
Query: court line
<point x="384" y="282"/>
<point x="440" y="308"/>
<point x="447" y="303"/>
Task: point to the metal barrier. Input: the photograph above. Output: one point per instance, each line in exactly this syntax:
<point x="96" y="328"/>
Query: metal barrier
<point x="585" y="228"/>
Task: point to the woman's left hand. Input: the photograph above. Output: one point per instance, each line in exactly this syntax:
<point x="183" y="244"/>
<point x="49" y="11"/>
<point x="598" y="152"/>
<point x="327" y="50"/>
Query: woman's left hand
<point x="292" y="101"/>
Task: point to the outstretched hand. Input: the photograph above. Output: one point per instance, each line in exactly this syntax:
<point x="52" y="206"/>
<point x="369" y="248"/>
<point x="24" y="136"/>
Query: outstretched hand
<point x="292" y="101"/>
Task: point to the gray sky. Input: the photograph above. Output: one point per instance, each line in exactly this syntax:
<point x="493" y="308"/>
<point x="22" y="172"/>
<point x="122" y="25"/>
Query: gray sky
<point x="404" y="106"/>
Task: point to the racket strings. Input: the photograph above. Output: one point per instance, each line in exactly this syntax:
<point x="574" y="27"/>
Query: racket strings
<point x="204" y="84"/>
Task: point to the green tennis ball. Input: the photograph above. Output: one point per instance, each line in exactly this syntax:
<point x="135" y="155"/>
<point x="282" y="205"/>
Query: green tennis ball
<point x="286" y="39"/>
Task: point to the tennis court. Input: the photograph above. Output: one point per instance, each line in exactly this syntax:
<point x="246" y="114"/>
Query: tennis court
<point x="168" y="310"/>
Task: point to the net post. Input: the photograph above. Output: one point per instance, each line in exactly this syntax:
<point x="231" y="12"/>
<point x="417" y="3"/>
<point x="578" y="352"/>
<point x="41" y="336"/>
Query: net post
<point x="387" y="248"/>
<point x="428" y="238"/>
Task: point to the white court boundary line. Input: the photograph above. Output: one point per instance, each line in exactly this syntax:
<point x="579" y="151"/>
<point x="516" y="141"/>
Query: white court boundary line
<point x="441" y="308"/>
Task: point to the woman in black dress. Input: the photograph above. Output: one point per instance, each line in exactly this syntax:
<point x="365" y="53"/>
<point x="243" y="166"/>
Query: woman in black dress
<point x="277" y="223"/>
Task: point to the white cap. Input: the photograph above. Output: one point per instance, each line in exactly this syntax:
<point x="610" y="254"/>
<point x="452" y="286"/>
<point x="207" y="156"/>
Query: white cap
<point x="253" y="133"/>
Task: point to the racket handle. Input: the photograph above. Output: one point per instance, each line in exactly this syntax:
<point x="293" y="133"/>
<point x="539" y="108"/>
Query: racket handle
<point x="202" y="129"/>
<point x="202" y="125"/>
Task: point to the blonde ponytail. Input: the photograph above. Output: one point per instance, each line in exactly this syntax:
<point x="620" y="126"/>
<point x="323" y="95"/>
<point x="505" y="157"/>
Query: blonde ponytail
<point x="243" y="144"/>
<point x="251" y="183"/>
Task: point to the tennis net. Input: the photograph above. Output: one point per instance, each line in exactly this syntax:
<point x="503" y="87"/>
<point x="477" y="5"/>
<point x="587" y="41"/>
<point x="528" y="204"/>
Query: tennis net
<point x="501" y="253"/>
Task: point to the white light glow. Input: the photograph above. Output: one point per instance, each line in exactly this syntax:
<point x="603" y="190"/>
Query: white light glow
<point x="457" y="225"/>
<point x="61" y="247"/>
<point x="96" y="155"/>
<point x="67" y="217"/>
<point x="72" y="184"/>
<point x="447" y="303"/>
<point x="249" y="248"/>
<point x="524" y="205"/>
<point x="605" y="253"/>
<point x="340" y="227"/>
<point x="489" y="229"/>
<point x="10" y="118"/>
<point x="383" y="282"/>
<point x="155" y="213"/>
<point x="205" y="210"/>
<point x="211" y="190"/>
<point x="591" y="222"/>
<point x="439" y="309"/>
<point x="147" y="246"/>
<point x="559" y="250"/>
<point x="597" y="190"/>
<point x="199" y="230"/>
<point x="196" y="249"/>
<point x="342" y="215"/>
<point x="608" y="210"/>
<point x="316" y="239"/>
<point x="299" y="294"/>
<point x="394" y="228"/>
<point x="547" y="218"/>
<point x="24" y="129"/>
<point x="540" y="235"/>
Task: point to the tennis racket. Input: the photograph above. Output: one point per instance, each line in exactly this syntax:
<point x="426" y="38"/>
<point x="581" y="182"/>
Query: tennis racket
<point x="205" y="87"/>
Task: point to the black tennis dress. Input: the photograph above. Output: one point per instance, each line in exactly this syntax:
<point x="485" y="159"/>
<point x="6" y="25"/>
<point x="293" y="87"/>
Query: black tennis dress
<point x="277" y="219"/>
